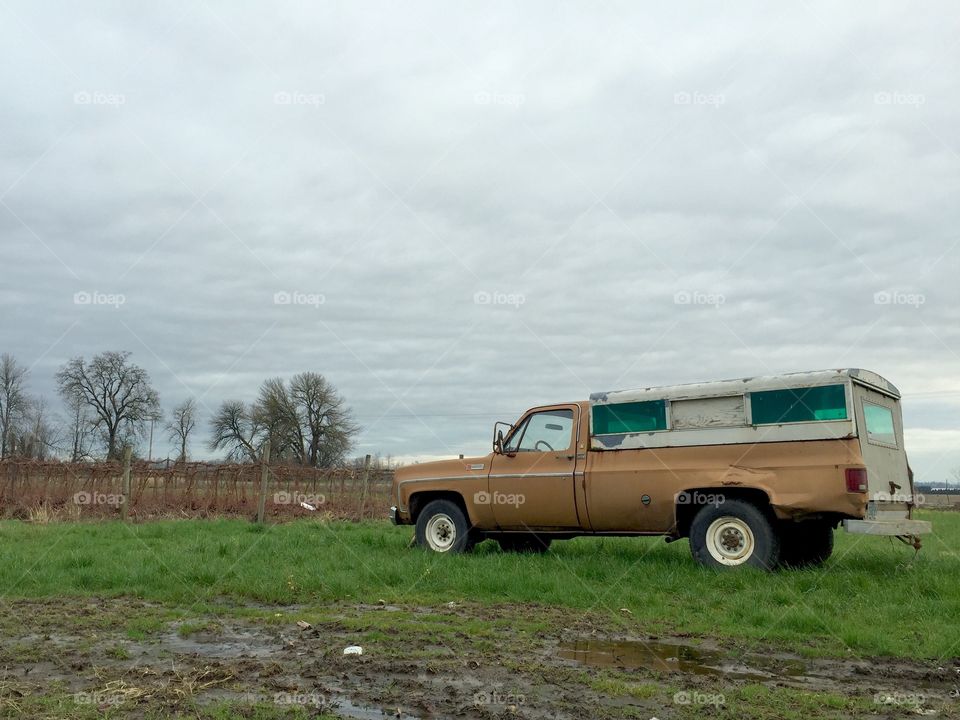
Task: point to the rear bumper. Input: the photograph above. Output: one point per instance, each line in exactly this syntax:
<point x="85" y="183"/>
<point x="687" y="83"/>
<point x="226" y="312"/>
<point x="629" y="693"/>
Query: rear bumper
<point x="394" y="518"/>
<point x="888" y="527"/>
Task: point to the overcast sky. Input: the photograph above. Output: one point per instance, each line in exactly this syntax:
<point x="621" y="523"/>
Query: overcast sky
<point x="472" y="209"/>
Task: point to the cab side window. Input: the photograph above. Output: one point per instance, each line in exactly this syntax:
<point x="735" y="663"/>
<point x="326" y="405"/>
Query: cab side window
<point x="546" y="431"/>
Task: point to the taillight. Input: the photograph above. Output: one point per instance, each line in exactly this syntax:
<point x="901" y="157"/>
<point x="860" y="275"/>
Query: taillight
<point x="856" y="480"/>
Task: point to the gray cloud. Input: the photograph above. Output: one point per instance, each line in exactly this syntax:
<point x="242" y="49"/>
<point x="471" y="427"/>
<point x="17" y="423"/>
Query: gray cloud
<point x="591" y="162"/>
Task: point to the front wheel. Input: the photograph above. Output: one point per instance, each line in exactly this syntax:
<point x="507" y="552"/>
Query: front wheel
<point x="734" y="533"/>
<point x="442" y="527"/>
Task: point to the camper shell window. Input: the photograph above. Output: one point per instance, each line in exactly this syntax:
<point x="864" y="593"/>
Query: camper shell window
<point x="880" y="428"/>
<point x="810" y="404"/>
<point x="630" y="417"/>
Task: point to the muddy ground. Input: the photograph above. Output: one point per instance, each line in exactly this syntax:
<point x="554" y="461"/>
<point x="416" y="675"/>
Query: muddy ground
<point x="127" y="658"/>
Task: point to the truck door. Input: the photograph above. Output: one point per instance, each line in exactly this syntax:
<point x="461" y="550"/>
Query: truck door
<point x="532" y="482"/>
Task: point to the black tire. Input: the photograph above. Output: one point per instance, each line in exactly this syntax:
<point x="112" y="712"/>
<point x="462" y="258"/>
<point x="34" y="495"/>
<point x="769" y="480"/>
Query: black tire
<point x="805" y="544"/>
<point x="442" y="526"/>
<point x="528" y="543"/>
<point x="739" y="532"/>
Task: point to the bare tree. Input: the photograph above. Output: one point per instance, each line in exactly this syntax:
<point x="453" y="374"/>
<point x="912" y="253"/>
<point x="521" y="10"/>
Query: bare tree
<point x="307" y="422"/>
<point x="78" y="427"/>
<point x="37" y="438"/>
<point x="181" y="424"/>
<point x="277" y="414"/>
<point x="236" y="429"/>
<point x="325" y="422"/>
<point x="118" y="393"/>
<point x="14" y="402"/>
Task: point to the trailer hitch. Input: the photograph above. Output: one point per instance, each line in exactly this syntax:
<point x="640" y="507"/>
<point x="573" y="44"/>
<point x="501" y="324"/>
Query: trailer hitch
<point x="913" y="541"/>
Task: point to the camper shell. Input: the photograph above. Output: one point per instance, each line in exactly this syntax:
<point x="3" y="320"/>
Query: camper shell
<point x="842" y="404"/>
<point x="719" y="413"/>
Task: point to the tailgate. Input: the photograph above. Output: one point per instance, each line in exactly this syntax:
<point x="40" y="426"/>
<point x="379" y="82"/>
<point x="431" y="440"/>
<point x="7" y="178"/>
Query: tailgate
<point x="880" y="427"/>
<point x="889" y="481"/>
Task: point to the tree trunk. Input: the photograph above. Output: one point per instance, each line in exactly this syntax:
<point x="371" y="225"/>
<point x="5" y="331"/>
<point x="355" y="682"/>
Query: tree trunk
<point x="112" y="442"/>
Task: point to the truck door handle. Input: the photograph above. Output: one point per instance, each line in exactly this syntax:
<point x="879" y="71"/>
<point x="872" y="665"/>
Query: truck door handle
<point x="570" y="457"/>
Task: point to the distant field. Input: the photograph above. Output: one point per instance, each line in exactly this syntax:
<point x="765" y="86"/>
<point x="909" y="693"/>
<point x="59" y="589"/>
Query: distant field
<point x="940" y="500"/>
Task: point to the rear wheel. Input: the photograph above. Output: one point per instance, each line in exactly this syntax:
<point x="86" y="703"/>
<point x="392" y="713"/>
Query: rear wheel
<point x="805" y="544"/>
<point x="442" y="527"/>
<point x="734" y="533"/>
<point x="524" y="543"/>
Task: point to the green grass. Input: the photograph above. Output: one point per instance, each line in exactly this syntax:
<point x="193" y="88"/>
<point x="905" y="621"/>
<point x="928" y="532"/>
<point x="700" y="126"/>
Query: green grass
<point x="140" y="628"/>
<point x="870" y="599"/>
<point x="58" y="702"/>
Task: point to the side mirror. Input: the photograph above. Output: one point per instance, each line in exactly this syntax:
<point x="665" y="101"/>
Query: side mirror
<point x="498" y="437"/>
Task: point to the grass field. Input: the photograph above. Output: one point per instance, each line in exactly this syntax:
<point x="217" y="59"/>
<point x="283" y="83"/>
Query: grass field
<point x="147" y="592"/>
<point x="872" y="597"/>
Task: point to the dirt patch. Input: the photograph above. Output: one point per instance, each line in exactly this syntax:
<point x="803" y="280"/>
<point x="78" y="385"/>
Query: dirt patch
<point x="135" y="658"/>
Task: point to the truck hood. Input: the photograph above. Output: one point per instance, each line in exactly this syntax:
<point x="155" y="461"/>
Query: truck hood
<point x="444" y="468"/>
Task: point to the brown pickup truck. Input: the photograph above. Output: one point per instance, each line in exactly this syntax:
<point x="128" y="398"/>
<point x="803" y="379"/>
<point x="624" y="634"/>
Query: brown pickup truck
<point x="757" y="471"/>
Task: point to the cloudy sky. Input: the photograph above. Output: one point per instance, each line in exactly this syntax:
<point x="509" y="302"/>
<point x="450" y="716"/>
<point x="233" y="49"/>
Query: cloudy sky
<point x="458" y="211"/>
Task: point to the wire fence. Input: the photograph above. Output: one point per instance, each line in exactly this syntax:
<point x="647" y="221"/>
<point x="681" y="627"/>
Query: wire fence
<point x="34" y="490"/>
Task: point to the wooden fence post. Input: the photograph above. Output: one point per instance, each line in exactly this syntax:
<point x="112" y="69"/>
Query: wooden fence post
<point x="264" y="471"/>
<point x="366" y="477"/>
<point x="125" y="506"/>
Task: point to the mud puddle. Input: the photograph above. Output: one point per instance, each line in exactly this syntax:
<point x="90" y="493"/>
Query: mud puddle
<point x="342" y="705"/>
<point x="672" y="657"/>
<point x="226" y="644"/>
<point x="345" y="708"/>
<point x="848" y="675"/>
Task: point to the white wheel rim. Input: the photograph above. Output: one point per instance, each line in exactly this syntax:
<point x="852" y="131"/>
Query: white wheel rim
<point x="730" y="541"/>
<point x="441" y="532"/>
